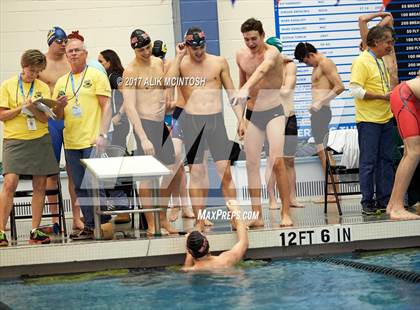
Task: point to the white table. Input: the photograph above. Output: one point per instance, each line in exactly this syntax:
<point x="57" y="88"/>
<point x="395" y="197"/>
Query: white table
<point x="136" y="168"/>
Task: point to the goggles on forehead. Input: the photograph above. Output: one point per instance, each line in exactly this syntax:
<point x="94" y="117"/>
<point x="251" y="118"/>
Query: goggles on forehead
<point x="197" y="39"/>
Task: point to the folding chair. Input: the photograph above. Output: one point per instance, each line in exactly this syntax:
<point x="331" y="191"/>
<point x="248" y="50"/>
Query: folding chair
<point x="337" y="170"/>
<point x="27" y="204"/>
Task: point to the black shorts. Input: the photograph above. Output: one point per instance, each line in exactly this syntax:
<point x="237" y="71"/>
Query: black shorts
<point x="319" y="123"/>
<point x="202" y="131"/>
<point x="290" y="138"/>
<point x="262" y="118"/>
<point x="158" y="134"/>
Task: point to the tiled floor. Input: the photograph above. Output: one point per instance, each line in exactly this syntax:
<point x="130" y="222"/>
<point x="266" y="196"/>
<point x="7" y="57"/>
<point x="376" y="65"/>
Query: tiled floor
<point x="310" y="216"/>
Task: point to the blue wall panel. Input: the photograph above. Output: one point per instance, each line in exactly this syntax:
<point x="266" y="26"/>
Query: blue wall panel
<point x="204" y="15"/>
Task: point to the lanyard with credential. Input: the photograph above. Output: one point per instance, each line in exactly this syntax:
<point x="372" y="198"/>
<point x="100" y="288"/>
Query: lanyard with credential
<point x="22" y="92"/>
<point x="384" y="78"/>
<point x="76" y="91"/>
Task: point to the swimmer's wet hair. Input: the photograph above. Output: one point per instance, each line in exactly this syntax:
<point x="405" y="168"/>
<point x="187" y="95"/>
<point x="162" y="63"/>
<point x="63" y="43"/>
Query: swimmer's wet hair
<point x="252" y="24"/>
<point x="302" y="50"/>
<point x="197" y="244"/>
<point x="33" y="58"/>
<point x="192" y="30"/>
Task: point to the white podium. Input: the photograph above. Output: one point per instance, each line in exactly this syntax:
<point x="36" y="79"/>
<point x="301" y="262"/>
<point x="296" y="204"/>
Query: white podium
<point x="136" y="168"/>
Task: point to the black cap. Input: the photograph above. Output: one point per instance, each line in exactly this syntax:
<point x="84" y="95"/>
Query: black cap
<point x="139" y="39"/>
<point x="195" y="37"/>
<point x="197" y="244"/>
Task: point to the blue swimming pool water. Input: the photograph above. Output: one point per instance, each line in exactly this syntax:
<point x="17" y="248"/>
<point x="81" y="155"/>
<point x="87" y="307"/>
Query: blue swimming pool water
<point x="284" y="284"/>
<point x="408" y="260"/>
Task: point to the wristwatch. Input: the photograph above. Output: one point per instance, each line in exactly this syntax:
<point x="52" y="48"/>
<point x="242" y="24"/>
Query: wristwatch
<point x="103" y="135"/>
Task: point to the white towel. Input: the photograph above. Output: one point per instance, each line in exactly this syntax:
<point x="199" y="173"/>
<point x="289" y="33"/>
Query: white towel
<point x="345" y="141"/>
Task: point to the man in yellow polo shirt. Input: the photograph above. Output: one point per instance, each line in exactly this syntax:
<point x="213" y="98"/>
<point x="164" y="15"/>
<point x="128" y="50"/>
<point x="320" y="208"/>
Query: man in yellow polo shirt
<point x="370" y="86"/>
<point x="83" y="96"/>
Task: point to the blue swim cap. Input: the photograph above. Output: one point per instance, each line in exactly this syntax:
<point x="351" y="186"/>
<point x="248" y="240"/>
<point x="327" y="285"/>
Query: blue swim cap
<point x="54" y="34"/>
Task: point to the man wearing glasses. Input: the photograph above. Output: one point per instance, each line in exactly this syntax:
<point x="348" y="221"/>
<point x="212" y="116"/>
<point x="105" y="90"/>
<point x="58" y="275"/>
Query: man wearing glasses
<point x="203" y="124"/>
<point x="83" y="102"/>
<point x="57" y="66"/>
<point x="370" y="86"/>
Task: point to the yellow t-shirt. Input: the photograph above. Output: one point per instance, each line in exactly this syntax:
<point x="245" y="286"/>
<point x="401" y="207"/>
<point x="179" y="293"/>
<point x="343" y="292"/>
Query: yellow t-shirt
<point x="82" y="121"/>
<point x="11" y="98"/>
<point x="365" y="72"/>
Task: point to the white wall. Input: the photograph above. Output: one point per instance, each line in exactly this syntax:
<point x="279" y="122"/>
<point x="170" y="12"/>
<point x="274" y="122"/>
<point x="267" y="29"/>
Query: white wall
<point x="108" y="24"/>
<point x="104" y="24"/>
<point x="230" y="21"/>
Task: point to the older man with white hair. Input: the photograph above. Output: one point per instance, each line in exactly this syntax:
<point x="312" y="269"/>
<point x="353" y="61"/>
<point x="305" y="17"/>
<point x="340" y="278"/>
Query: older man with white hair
<point x="83" y="102"/>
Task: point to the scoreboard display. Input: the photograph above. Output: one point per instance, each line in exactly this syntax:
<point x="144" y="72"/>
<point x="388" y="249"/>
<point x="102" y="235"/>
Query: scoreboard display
<point x="407" y="29"/>
<point x="332" y="27"/>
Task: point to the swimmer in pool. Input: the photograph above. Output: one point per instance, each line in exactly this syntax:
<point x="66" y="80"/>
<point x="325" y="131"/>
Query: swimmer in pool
<point x="198" y="248"/>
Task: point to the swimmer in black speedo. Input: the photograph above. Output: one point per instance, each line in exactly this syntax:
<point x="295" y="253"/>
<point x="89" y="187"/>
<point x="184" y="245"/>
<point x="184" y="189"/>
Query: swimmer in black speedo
<point x="261" y="69"/>
<point x="291" y="130"/>
<point x="198" y="247"/>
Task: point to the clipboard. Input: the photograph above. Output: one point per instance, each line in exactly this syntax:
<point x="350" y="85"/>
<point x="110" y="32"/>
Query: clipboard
<point x="47" y="106"/>
<point x="48" y="102"/>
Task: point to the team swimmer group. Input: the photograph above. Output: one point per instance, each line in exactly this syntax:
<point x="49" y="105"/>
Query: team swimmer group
<point x="89" y="97"/>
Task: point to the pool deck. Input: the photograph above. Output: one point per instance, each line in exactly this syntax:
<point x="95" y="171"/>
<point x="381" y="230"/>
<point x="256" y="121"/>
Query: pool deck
<point x="314" y="233"/>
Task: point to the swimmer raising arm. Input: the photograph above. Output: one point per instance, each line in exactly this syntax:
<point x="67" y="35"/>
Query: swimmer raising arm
<point x="198" y="255"/>
<point x="387" y="20"/>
